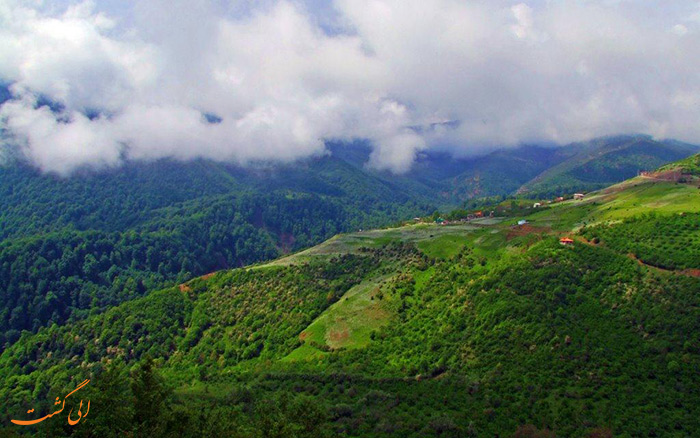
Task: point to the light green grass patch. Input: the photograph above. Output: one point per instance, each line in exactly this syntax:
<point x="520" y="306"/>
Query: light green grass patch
<point x="630" y="198"/>
<point x="348" y="323"/>
<point x="660" y="197"/>
<point x="445" y="246"/>
<point x="304" y="353"/>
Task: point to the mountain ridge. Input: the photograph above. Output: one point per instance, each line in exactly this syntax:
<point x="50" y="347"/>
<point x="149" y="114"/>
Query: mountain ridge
<point x="602" y="153"/>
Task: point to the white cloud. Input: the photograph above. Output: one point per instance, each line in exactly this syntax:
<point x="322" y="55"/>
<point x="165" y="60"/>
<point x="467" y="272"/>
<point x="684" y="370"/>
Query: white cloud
<point x="679" y="29"/>
<point x="508" y="72"/>
<point x="523" y="15"/>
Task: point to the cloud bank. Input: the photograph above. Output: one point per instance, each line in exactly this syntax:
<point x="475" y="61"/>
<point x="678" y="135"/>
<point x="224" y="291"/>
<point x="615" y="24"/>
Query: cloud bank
<point x="145" y="80"/>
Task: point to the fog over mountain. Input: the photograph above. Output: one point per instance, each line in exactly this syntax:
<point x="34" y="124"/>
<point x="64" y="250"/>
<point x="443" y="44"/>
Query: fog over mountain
<point x="244" y="81"/>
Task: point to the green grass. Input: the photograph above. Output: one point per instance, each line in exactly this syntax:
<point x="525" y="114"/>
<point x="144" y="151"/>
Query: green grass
<point x="422" y="277"/>
<point x="489" y="243"/>
<point x="628" y="199"/>
<point x="563" y="216"/>
<point x="304" y="353"/>
<point x="648" y="197"/>
<point x="445" y="246"/>
<point x="351" y="243"/>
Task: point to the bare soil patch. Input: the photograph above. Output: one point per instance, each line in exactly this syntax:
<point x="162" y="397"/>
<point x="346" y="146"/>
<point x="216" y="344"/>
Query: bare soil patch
<point x="691" y="272"/>
<point x="524" y="230"/>
<point x="337" y="336"/>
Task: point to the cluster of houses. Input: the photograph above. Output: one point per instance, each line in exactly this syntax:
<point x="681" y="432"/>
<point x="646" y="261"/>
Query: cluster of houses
<point x="481" y="214"/>
<point x="577" y="197"/>
<point x="471" y="217"/>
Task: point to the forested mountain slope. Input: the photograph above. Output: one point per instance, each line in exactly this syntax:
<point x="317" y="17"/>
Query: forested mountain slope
<point x="73" y="245"/>
<point x="602" y="162"/>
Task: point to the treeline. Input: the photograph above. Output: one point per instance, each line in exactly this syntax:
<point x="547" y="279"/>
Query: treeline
<point x="112" y="200"/>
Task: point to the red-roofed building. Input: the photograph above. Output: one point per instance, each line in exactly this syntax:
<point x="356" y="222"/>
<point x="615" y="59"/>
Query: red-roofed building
<point x="566" y="241"/>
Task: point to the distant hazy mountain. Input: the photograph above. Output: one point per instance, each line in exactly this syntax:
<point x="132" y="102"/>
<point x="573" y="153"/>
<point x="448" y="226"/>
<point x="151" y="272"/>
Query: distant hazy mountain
<point x="599" y="163"/>
<point x="528" y="170"/>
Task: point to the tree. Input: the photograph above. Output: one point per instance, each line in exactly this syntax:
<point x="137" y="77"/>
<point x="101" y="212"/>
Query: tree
<point x="149" y="394"/>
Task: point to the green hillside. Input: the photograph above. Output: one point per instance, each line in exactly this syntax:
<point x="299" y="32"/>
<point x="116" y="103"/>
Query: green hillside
<point x="602" y="162"/>
<point x="690" y="165"/>
<point x="476" y="329"/>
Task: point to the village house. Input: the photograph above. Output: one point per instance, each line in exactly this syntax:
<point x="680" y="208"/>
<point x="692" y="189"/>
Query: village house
<point x="578" y="196"/>
<point x="566" y="241"/>
<point x="537" y="205"/>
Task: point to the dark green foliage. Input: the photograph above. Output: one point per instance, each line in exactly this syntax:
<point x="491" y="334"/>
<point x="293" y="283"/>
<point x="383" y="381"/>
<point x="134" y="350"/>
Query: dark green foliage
<point x="669" y="242"/>
<point x="150" y="396"/>
<point x="79" y="245"/>
<point x="576" y="340"/>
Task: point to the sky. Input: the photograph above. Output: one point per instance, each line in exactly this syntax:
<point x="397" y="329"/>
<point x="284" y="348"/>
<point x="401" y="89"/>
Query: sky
<point x="259" y="80"/>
